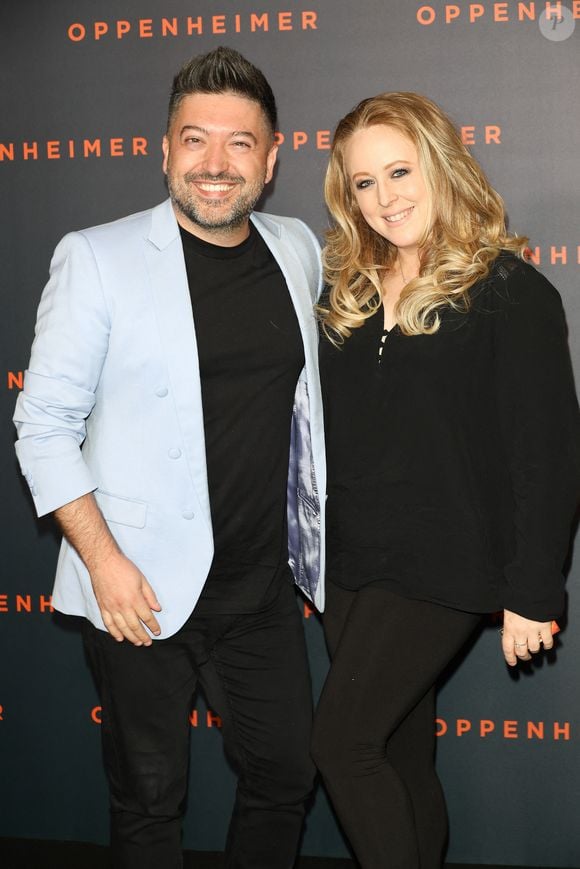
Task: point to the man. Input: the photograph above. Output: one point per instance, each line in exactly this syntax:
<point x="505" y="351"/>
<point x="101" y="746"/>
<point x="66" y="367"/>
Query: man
<point x="172" y="346"/>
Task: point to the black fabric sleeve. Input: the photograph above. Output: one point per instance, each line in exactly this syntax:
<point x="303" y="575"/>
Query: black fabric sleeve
<point x="540" y="425"/>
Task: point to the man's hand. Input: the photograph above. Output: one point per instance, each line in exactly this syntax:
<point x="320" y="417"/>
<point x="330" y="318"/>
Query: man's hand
<point x="521" y="638"/>
<point x="126" y="600"/>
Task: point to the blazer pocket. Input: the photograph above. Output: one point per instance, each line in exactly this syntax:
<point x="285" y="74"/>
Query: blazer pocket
<point x="125" y="511"/>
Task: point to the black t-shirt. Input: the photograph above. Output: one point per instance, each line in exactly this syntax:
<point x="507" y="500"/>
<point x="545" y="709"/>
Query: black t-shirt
<point x="453" y="457"/>
<point x="250" y="356"/>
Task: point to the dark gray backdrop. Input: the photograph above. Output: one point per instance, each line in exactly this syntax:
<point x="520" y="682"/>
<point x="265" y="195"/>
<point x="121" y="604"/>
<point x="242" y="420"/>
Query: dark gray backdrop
<point x="512" y="794"/>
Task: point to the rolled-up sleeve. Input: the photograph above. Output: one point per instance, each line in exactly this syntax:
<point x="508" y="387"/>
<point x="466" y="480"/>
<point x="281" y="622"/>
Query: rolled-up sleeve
<point x="68" y="353"/>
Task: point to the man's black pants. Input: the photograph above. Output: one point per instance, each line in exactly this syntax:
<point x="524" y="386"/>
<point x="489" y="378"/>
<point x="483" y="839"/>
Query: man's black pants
<point x="254" y="673"/>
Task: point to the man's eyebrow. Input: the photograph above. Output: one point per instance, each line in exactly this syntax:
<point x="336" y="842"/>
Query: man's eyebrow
<point x="194" y="127"/>
<point x="247" y="133"/>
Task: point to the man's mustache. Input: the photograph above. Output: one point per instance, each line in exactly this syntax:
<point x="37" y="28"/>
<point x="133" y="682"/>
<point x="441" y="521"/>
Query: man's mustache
<point x="214" y="179"/>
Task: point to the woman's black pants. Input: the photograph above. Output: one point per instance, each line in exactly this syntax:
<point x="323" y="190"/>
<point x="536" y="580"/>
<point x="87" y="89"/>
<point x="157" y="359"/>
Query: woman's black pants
<point x="374" y="730"/>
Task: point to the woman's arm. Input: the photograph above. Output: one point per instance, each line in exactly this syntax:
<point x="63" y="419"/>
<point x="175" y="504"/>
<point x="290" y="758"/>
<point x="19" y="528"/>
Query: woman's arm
<point x="540" y="425"/>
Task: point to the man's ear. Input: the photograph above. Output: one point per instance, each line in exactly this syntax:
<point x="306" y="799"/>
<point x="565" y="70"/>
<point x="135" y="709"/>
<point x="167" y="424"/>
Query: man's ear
<point x="271" y="162"/>
<point x="165" y="148"/>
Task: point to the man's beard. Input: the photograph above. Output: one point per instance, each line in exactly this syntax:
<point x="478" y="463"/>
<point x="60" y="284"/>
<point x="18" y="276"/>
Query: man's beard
<point x="200" y="211"/>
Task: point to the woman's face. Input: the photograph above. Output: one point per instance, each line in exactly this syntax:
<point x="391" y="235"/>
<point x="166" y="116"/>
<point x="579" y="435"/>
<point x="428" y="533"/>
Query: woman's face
<point x="383" y="169"/>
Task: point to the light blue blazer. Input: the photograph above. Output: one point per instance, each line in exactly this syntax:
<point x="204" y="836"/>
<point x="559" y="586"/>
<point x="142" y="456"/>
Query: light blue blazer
<point x="112" y="405"/>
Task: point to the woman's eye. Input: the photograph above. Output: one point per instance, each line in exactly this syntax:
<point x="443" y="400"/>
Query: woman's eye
<point x="399" y="173"/>
<point x="362" y="185"/>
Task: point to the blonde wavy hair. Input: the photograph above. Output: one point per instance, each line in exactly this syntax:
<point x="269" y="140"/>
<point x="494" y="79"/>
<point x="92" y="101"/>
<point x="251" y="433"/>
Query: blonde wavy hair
<point x="465" y="233"/>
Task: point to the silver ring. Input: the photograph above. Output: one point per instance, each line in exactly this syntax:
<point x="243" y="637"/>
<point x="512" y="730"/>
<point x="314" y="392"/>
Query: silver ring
<point x="520" y="644"/>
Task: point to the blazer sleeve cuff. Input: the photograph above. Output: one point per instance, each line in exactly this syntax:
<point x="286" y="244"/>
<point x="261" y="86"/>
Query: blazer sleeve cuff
<point x="57" y="478"/>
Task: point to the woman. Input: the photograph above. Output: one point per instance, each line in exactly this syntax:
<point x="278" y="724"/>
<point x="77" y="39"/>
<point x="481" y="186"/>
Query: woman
<point x="452" y="435"/>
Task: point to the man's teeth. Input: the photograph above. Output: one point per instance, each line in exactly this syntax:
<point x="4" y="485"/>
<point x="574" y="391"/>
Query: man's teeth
<point x="216" y="188"/>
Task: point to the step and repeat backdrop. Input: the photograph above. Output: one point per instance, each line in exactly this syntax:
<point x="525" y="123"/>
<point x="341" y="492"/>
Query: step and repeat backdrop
<point x="83" y="105"/>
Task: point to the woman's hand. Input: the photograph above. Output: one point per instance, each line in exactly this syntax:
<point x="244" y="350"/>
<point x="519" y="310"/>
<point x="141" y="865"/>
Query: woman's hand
<point x="521" y="637"/>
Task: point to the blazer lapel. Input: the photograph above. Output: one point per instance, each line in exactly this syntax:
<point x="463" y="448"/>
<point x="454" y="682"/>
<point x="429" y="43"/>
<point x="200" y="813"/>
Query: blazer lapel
<point x="166" y="267"/>
<point x="275" y="236"/>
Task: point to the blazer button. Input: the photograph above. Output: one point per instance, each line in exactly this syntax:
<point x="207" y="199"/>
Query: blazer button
<point x="188" y="514"/>
<point x="161" y="392"/>
<point x="174" y="453"/>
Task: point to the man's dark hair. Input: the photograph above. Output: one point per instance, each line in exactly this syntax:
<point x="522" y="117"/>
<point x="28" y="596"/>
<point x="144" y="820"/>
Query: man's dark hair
<point x="223" y="70"/>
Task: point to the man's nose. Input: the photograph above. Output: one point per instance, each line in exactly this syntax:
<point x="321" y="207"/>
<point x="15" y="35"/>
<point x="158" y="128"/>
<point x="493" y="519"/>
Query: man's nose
<point x="216" y="159"/>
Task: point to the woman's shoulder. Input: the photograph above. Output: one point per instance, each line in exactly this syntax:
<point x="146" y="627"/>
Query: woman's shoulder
<point x="513" y="282"/>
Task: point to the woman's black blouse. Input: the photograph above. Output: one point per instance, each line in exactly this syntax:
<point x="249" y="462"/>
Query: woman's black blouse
<point x="453" y="458"/>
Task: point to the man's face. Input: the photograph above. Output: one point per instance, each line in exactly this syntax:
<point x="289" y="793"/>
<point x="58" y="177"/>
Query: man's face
<point x="218" y="155"/>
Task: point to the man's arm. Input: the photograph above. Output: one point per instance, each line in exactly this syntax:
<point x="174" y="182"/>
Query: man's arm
<point x="124" y="596"/>
<point x="69" y="350"/>
<point x="68" y="354"/>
